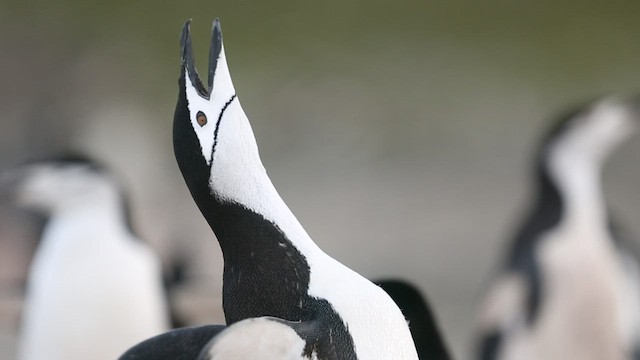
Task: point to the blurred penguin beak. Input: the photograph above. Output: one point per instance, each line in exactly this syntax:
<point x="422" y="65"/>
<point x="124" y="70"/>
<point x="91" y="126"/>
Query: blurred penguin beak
<point x="10" y="180"/>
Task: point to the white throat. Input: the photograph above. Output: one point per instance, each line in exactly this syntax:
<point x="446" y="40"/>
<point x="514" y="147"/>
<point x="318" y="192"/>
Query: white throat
<point x="579" y="183"/>
<point x="98" y="212"/>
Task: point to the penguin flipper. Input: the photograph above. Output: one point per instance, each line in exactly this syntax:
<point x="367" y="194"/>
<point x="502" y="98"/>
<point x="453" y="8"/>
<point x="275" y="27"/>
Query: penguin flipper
<point x="178" y="344"/>
<point x="503" y="312"/>
<point x="630" y="298"/>
<point x="628" y="254"/>
<point x="172" y="280"/>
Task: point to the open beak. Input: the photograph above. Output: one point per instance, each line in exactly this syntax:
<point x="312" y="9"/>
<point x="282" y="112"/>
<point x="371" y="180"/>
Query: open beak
<point x="188" y="61"/>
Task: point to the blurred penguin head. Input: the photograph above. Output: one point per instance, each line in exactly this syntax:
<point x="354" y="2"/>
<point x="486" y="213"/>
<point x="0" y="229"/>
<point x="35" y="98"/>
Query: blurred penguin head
<point x="57" y="184"/>
<point x="589" y="135"/>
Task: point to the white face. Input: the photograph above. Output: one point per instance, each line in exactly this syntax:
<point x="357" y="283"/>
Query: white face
<point x="224" y="134"/>
<point x="207" y="114"/>
<point x="51" y="187"/>
<point x="593" y="135"/>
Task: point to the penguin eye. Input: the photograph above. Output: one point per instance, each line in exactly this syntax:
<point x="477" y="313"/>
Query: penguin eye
<point x="201" y="118"/>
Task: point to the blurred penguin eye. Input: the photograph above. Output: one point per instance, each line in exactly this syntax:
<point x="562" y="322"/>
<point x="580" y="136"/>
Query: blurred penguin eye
<point x="201" y="118"/>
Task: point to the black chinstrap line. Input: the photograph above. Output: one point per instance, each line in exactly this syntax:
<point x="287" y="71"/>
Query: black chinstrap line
<point x="215" y="132"/>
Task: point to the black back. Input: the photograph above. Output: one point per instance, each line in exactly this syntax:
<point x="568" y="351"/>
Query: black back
<point x="422" y="323"/>
<point x="179" y="344"/>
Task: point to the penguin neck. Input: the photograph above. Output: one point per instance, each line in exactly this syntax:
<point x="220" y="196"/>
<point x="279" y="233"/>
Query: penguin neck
<point x="262" y="243"/>
<point x="579" y="182"/>
<point x="256" y="194"/>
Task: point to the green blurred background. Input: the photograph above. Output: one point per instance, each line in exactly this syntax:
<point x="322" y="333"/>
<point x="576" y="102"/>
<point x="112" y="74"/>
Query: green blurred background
<point x="398" y="132"/>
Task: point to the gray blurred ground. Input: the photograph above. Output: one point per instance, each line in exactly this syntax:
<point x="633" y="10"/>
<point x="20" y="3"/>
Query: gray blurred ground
<point x="398" y="132"/>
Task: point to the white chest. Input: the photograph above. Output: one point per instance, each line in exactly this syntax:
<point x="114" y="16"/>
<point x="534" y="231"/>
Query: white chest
<point x="583" y="315"/>
<point x="90" y="297"/>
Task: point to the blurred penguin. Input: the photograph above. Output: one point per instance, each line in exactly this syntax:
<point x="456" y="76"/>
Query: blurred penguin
<point x="94" y="289"/>
<point x="569" y="288"/>
<point x="422" y="323"/>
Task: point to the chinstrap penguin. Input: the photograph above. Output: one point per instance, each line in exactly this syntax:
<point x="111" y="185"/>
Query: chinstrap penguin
<point x="94" y="289"/>
<point x="274" y="276"/>
<point x="569" y="288"/>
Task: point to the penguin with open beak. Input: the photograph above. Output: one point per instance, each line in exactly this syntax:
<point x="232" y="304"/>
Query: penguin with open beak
<point x="94" y="289"/>
<point x="569" y="288"/>
<point x="281" y="293"/>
